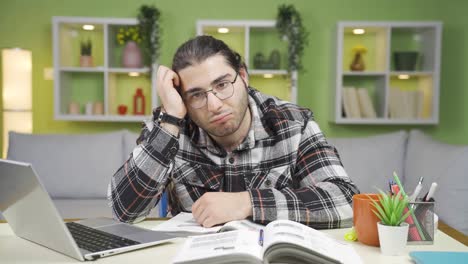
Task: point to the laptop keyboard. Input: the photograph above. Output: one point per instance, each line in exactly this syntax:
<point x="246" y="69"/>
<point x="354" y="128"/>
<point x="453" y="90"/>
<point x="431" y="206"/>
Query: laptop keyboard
<point x="95" y="240"/>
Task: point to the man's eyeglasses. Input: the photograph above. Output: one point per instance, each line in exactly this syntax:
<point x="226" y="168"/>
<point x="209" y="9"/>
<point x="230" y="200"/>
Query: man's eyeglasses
<point x="223" y="90"/>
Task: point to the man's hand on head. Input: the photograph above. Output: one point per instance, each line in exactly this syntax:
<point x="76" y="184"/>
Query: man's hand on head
<point x="215" y="208"/>
<point x="167" y="81"/>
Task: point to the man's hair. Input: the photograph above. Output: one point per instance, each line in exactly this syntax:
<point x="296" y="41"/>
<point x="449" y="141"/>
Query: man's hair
<point x="200" y="48"/>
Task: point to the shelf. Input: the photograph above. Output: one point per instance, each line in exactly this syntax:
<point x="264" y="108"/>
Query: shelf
<point x="363" y="73"/>
<point x="412" y="73"/>
<point x="129" y="70"/>
<point x="106" y="84"/>
<point x="81" y="69"/>
<point x="274" y="72"/>
<point x="385" y="121"/>
<point x="102" y="118"/>
<point x="400" y="89"/>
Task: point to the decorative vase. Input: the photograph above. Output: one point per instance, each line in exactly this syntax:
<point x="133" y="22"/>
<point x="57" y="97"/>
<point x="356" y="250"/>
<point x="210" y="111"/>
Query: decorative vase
<point x="139" y="102"/>
<point x="258" y="60"/>
<point x="131" y="57"/>
<point x="393" y="238"/>
<point x="86" y="61"/>
<point x="275" y="59"/>
<point x="358" y="62"/>
<point x="405" y="60"/>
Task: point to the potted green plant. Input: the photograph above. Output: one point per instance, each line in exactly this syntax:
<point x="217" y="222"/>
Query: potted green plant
<point x="392" y="210"/>
<point x="86" y="58"/>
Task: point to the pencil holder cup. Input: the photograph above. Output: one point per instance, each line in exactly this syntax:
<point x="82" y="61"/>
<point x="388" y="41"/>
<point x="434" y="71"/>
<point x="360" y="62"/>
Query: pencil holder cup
<point x="421" y="223"/>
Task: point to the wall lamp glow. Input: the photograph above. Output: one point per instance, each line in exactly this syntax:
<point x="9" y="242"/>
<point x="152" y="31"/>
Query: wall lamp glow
<point x="358" y="31"/>
<point x="403" y="76"/>
<point x="17" y="90"/>
<point x="223" y="30"/>
<point x="88" y="27"/>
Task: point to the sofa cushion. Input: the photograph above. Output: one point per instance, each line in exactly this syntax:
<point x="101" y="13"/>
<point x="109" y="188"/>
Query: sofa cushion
<point x="370" y="161"/>
<point x="445" y="164"/>
<point x="129" y="142"/>
<point x="70" y="166"/>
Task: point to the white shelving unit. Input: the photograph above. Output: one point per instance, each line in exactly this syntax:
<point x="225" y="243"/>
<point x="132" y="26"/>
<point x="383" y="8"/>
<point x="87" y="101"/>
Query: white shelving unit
<point x="398" y="97"/>
<point x="250" y="37"/>
<point x="107" y="81"/>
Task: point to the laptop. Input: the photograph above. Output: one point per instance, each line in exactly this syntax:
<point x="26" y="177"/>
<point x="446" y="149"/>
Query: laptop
<point x="32" y="215"/>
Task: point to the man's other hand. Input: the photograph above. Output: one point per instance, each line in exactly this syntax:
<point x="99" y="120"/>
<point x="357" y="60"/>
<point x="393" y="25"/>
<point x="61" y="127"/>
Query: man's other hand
<point x="215" y="208"/>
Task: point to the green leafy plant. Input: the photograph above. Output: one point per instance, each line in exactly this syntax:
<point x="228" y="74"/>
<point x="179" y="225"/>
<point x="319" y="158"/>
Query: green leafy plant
<point x="148" y="20"/>
<point x="86" y="47"/>
<point x="289" y="25"/>
<point x="390" y="209"/>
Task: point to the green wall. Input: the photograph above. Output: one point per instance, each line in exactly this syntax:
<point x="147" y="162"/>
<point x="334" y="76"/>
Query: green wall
<point x="27" y="24"/>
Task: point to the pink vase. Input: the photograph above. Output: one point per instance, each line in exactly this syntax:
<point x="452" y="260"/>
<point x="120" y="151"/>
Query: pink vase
<point x="131" y="57"/>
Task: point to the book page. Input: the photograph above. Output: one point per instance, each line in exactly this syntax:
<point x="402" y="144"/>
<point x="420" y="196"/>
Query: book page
<point x="240" y="246"/>
<point x="241" y="225"/>
<point x="301" y="236"/>
<point x="184" y="222"/>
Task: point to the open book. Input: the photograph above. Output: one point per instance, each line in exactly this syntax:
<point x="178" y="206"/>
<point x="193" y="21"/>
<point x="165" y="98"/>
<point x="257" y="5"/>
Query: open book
<point x="281" y="241"/>
<point x="184" y="222"/>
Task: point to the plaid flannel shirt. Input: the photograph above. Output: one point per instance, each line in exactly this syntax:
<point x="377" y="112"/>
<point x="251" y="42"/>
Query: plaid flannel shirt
<point x="285" y="163"/>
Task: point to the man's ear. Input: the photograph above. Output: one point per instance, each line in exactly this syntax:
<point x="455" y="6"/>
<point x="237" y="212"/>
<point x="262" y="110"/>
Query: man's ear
<point x="244" y="75"/>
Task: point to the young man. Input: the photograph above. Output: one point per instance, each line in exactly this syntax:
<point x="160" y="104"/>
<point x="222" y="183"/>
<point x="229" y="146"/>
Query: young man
<point x="225" y="151"/>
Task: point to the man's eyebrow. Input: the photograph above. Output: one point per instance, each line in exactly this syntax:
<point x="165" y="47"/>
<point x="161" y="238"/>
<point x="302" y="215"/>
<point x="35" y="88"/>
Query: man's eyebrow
<point x="196" y="89"/>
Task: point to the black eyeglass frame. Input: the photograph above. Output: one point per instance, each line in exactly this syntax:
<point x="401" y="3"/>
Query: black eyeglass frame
<point x="205" y="93"/>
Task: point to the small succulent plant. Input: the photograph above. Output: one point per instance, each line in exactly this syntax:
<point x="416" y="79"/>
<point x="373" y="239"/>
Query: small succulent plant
<point x="86" y="47"/>
<point x="391" y="208"/>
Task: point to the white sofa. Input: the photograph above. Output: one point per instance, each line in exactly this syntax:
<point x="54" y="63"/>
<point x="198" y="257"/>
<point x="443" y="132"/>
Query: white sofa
<point x="76" y="169"/>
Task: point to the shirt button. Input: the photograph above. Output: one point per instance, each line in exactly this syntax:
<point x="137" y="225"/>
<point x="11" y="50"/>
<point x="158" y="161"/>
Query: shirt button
<point x="268" y="183"/>
<point x="231" y="160"/>
<point x="173" y="150"/>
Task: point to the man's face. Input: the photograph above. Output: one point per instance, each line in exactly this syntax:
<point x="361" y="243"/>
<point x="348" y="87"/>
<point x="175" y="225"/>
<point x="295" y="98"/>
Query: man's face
<point x="218" y="117"/>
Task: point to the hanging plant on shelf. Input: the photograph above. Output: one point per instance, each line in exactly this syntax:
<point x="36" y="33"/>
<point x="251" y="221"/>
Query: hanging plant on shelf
<point x="289" y="25"/>
<point x="148" y="19"/>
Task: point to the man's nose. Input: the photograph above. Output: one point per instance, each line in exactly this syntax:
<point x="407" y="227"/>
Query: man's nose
<point x="213" y="102"/>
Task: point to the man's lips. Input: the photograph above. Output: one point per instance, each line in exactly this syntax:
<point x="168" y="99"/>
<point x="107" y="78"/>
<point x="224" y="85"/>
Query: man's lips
<point x="220" y="118"/>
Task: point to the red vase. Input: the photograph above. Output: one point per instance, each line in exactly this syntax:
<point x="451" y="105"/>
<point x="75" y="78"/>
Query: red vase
<point x="131" y="57"/>
<point x="139" y="102"/>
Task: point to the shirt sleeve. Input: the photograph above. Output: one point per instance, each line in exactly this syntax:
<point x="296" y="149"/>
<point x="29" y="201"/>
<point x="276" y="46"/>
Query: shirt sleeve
<point x="321" y="194"/>
<point x="138" y="184"/>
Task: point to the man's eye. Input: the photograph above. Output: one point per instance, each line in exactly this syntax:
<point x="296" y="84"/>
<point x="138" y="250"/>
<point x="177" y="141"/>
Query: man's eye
<point x="196" y="96"/>
<point x="222" y="85"/>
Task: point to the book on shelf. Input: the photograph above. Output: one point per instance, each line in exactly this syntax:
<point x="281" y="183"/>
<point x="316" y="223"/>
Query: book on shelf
<point x="365" y="104"/>
<point x="351" y="103"/>
<point x="281" y="241"/>
<point x="186" y="223"/>
<point x="406" y="104"/>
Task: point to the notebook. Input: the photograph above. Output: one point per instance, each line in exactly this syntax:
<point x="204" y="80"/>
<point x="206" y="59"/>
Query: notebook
<point x="433" y="257"/>
<point x="31" y="214"/>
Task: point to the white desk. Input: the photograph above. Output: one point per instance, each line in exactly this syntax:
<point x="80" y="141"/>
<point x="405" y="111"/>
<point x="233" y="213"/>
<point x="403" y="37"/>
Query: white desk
<point x="16" y="250"/>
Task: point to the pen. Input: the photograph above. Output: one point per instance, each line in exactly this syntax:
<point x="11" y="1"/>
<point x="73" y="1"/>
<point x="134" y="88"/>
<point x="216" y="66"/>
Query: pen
<point x="417" y="190"/>
<point x="431" y="192"/>
<point x="260" y="238"/>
